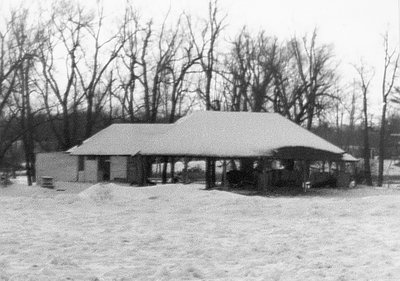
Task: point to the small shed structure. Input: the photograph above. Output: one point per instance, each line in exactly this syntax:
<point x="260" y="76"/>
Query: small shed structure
<point x="111" y="153"/>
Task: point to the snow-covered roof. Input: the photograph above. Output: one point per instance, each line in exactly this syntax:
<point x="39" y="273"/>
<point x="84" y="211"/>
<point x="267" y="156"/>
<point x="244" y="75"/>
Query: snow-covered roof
<point x="241" y="134"/>
<point x="120" y="139"/>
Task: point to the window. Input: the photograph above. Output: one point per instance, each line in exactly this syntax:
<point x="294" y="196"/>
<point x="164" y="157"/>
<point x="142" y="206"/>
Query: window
<point x="81" y="163"/>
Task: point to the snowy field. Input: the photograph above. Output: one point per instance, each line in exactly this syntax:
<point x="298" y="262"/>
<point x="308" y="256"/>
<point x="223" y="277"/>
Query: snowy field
<point x="182" y="232"/>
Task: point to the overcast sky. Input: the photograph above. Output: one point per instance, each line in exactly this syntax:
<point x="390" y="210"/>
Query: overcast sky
<point x="355" y="27"/>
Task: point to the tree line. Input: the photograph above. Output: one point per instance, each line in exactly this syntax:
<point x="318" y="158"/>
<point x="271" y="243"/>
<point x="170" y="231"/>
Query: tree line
<point x="70" y="73"/>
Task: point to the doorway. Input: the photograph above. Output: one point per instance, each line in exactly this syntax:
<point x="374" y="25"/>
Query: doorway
<point x="104" y="168"/>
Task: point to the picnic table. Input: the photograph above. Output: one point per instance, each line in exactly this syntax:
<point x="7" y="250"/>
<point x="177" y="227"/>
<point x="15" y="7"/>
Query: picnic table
<point x="47" y="182"/>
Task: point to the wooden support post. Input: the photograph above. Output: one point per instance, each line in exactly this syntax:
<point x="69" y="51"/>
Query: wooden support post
<point x="173" y="169"/>
<point x="342" y="166"/>
<point x="208" y="179"/>
<point x="185" y="175"/>
<point x="223" y="176"/>
<point x="213" y="177"/>
<point x="142" y="173"/>
<point x="306" y="175"/>
<point x="260" y="176"/>
<point x="164" y="170"/>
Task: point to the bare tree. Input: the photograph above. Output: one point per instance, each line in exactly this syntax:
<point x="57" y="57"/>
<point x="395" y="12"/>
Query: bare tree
<point x="28" y="39"/>
<point x="178" y="68"/>
<point x="8" y="69"/>
<point x="237" y="74"/>
<point x="262" y="66"/>
<point x="128" y="69"/>
<point x="365" y="78"/>
<point x="316" y="76"/>
<point x="346" y="101"/>
<point x="93" y="68"/>
<point x="206" y="47"/>
<point x="154" y="66"/>
<point x="391" y="64"/>
<point x="252" y="64"/>
<point x="10" y="63"/>
<point x="64" y="33"/>
<point x="167" y="46"/>
<point x="298" y="78"/>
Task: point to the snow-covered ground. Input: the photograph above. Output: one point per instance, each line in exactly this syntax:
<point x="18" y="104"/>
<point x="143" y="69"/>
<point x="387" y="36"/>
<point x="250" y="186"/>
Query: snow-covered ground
<point x="182" y="232"/>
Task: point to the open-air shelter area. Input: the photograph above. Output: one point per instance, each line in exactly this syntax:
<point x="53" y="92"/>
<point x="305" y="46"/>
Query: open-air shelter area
<point x="262" y="150"/>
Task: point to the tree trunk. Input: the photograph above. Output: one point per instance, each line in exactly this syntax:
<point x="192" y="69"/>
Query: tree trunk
<point x="89" y="116"/>
<point x="208" y="88"/>
<point x="382" y="145"/>
<point x="310" y="117"/>
<point x="367" y="165"/>
<point x="66" y="129"/>
<point x="26" y="123"/>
